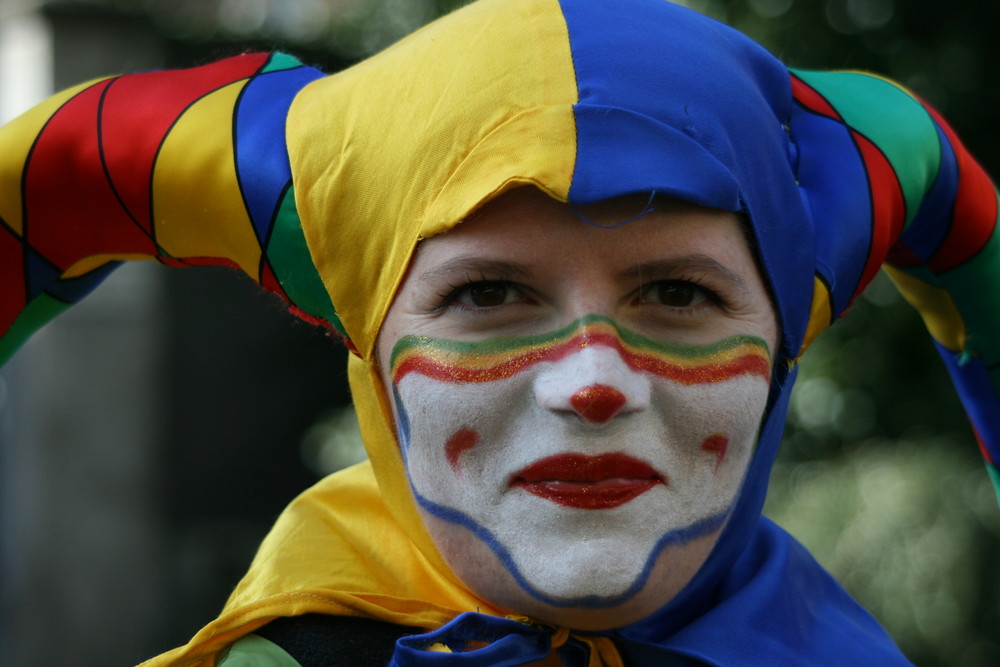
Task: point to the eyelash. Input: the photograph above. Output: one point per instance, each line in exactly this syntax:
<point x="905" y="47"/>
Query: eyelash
<point x="450" y="296"/>
<point x="710" y="295"/>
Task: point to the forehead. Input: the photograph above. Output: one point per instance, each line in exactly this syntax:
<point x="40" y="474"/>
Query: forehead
<point x="527" y="223"/>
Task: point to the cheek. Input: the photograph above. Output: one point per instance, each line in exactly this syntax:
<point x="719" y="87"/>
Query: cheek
<point x="732" y="408"/>
<point x="452" y="431"/>
<point x="712" y="431"/>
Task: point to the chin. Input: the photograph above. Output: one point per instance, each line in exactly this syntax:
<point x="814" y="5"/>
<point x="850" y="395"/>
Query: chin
<point x="586" y="589"/>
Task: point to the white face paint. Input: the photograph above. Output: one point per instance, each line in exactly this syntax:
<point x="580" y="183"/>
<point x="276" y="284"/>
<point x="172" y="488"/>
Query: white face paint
<point x="576" y="416"/>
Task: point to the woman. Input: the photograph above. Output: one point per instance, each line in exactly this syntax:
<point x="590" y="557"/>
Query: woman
<point x="576" y="250"/>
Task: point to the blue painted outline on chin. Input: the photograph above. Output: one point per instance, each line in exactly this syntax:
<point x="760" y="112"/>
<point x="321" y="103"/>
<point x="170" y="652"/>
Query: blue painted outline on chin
<point x="402" y="428"/>
<point x="673" y="538"/>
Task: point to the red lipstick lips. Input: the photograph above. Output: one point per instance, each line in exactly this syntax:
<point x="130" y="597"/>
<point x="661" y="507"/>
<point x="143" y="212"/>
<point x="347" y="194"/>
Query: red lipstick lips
<point x="588" y="482"/>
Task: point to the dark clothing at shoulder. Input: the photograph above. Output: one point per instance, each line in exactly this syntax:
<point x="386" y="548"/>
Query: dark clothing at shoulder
<point x="318" y="640"/>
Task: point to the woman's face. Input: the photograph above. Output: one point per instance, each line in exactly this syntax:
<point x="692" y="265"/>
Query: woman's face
<point x="576" y="407"/>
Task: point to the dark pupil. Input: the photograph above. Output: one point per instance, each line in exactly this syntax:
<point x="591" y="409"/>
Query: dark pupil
<point x="485" y="295"/>
<point x="672" y="294"/>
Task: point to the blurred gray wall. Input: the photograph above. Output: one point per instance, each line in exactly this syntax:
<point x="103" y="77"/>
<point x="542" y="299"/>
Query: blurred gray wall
<point x="149" y="435"/>
<point x="79" y="540"/>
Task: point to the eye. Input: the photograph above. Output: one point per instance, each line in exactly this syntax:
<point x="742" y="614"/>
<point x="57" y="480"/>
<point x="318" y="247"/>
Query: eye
<point x="675" y="293"/>
<point x="486" y="294"/>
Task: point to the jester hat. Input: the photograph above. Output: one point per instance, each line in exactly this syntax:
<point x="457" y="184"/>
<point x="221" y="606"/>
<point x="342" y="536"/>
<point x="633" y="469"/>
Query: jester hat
<point x="321" y="187"/>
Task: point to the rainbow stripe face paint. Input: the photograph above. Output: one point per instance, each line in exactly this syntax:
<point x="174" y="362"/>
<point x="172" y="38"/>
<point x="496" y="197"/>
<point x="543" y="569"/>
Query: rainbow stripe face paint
<point x="591" y="448"/>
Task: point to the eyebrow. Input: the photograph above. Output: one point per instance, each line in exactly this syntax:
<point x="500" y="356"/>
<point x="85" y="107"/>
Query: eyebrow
<point x="471" y="264"/>
<point x="671" y="267"/>
<point x="654" y="270"/>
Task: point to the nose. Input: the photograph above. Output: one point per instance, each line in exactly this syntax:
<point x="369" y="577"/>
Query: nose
<point x="598" y="403"/>
<point x="594" y="384"/>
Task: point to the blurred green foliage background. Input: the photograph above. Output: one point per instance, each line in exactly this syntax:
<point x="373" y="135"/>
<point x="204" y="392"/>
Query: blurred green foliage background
<point x="879" y="476"/>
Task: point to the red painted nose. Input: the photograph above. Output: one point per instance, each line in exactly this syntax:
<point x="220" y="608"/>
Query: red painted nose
<point x="597" y="403"/>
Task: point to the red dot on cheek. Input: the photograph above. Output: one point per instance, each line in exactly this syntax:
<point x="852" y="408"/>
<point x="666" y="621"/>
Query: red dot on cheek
<point x="717" y="444"/>
<point x="463" y="439"/>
